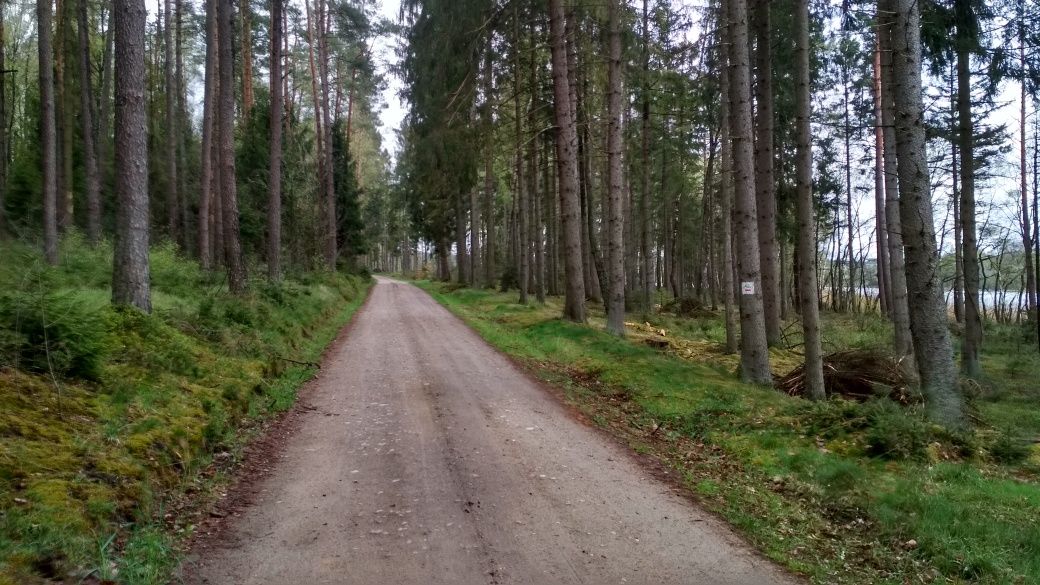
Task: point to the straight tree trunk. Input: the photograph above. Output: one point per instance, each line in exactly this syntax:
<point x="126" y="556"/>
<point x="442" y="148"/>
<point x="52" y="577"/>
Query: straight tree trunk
<point x="130" y="270"/>
<point x="489" y="174"/>
<point x="567" y="164"/>
<point x="902" y="342"/>
<point x="4" y="136"/>
<point x="928" y="322"/>
<point x="228" y="187"/>
<point x="460" y="239"/>
<point x="808" y="301"/>
<point x="208" y="114"/>
<point x="331" y="225"/>
<point x="884" y="287"/>
<point x="615" y="179"/>
<point x="1027" y="233"/>
<point x="87" y="120"/>
<point x="754" y="349"/>
<point x="958" y="239"/>
<point x="104" y="132"/>
<point x="319" y="131"/>
<point x="172" y="205"/>
<point x="972" y="341"/>
<point x="644" y="191"/>
<point x="274" y="183"/>
<point x="765" y="187"/>
<point x="64" y="120"/>
<point x="726" y="187"/>
<point x="248" y="98"/>
<point x="522" y="257"/>
<point x="48" y="137"/>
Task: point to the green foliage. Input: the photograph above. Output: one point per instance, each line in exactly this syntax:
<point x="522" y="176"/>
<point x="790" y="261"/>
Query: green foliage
<point x="59" y="333"/>
<point x="141" y="402"/>
<point x="834" y="489"/>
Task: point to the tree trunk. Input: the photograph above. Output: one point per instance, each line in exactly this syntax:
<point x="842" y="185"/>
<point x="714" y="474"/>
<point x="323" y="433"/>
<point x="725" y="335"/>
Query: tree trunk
<point x="615" y="179"/>
<point x="567" y="163"/>
<point x="972" y="341"/>
<point x="809" y="302"/>
<point x="64" y="122"/>
<point x="489" y="174"/>
<point x="319" y="132"/>
<point x="726" y="186"/>
<point x="460" y="239"/>
<point x="87" y="121"/>
<point x="928" y="323"/>
<point x="48" y="137"/>
<point x="644" y="191"/>
<point x="4" y="136"/>
<point x="248" y="99"/>
<point x="754" y="351"/>
<point x="228" y="187"/>
<point x="208" y="104"/>
<point x="902" y="341"/>
<point x="765" y="187"/>
<point x="104" y="132"/>
<point x="331" y="225"/>
<point x="171" y="134"/>
<point x="884" y="287"/>
<point x="130" y="277"/>
<point x="1027" y="233"/>
<point x="274" y="183"/>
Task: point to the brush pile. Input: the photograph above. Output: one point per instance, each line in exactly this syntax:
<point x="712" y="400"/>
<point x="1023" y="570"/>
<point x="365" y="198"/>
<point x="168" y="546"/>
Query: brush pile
<point x="857" y="374"/>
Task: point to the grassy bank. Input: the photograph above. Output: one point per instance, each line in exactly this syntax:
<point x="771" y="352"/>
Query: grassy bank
<point x="839" y="491"/>
<point x="107" y="416"/>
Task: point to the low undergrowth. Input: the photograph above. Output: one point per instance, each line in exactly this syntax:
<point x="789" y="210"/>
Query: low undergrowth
<point x="840" y="491"/>
<point x="108" y="415"/>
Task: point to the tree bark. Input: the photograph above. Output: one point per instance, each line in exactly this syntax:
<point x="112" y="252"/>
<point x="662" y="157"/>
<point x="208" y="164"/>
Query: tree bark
<point x="229" y="189"/>
<point x="809" y="303"/>
<point x="928" y="322"/>
<point x="754" y="350"/>
<point x="48" y="137"/>
<point x="901" y="340"/>
<point x="130" y="270"/>
<point x="615" y="178"/>
<point x="4" y="136"/>
<point x="87" y="121"/>
<point x="567" y="164"/>
<point x="644" y="191"/>
<point x="460" y="239"/>
<point x="726" y="186"/>
<point x="331" y="225"/>
<point x="274" y="182"/>
<point x="1027" y="233"/>
<point x="972" y="341"/>
<point x="172" y="205"/>
<point x="248" y="97"/>
<point x="489" y="174"/>
<point x="208" y="104"/>
<point x="884" y="287"/>
<point x="64" y="122"/>
<point x="765" y="187"/>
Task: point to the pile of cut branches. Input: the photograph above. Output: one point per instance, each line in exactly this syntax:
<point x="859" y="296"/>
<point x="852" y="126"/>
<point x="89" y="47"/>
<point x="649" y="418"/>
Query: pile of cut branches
<point x="857" y="374"/>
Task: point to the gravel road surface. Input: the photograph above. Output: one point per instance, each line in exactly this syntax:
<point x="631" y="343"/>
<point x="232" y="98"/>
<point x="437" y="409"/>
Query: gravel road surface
<point x="422" y="456"/>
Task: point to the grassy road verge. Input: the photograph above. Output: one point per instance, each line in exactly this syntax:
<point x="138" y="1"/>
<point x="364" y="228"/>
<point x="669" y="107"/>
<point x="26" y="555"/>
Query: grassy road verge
<point x="841" y="492"/>
<point x="109" y="416"/>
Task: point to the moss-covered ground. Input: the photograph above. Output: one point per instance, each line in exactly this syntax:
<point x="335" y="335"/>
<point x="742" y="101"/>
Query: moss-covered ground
<point x="107" y="416"/>
<point x="841" y="492"/>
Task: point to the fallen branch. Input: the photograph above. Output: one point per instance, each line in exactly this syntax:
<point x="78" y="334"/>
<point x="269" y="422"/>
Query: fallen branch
<point x="297" y="362"/>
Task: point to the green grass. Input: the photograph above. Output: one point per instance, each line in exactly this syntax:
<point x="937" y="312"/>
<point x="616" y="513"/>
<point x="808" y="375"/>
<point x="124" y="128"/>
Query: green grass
<point x="109" y="418"/>
<point x="841" y="492"/>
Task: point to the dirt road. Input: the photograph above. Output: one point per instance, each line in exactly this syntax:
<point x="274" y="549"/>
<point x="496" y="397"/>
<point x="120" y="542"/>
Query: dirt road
<point x="424" y="457"/>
